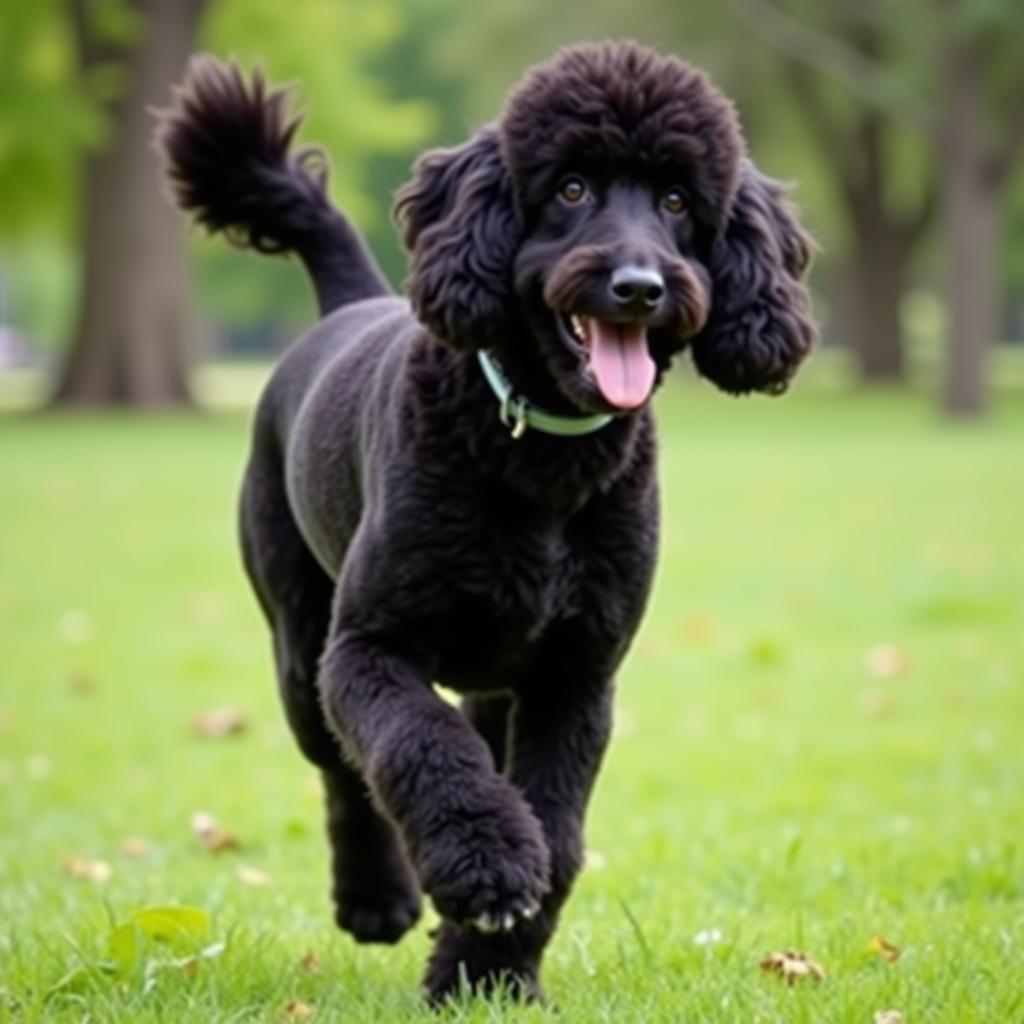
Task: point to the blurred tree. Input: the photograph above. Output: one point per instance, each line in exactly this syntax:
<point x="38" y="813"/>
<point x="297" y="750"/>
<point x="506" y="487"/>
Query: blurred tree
<point x="37" y="167"/>
<point x="90" y="70"/>
<point x="131" y="343"/>
<point x="981" y="142"/>
<point x="850" y="69"/>
<point x="946" y="73"/>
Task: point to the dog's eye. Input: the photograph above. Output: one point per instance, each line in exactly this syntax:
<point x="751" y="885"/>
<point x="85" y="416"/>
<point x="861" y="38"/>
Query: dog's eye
<point x="572" y="189"/>
<point x="673" y="201"/>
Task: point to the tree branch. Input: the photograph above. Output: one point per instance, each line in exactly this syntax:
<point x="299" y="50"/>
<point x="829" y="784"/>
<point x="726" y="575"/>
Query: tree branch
<point x="835" y="56"/>
<point x="835" y="144"/>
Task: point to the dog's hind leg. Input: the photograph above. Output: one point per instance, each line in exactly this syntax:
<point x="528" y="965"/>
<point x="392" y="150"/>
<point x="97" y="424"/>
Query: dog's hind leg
<point x="376" y="897"/>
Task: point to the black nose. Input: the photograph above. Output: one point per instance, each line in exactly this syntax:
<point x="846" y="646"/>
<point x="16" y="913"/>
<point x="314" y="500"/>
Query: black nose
<point x="637" y="289"/>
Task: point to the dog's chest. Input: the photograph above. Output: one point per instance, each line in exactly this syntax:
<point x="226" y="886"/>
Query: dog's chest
<point x="518" y="583"/>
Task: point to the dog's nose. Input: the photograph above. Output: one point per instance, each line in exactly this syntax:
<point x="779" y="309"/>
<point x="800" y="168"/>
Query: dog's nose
<point x="637" y="289"/>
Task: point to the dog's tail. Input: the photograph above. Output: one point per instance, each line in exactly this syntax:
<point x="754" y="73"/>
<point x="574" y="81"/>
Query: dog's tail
<point x="226" y="146"/>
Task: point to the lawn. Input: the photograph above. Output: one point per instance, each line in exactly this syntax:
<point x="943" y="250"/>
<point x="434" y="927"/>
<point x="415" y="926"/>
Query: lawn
<point x="819" y="741"/>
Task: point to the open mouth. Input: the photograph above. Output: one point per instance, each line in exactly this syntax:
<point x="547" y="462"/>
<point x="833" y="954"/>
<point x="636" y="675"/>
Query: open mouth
<point x="617" y="355"/>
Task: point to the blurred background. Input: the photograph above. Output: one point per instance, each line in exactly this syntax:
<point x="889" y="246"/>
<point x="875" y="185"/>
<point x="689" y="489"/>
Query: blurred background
<point x="901" y="124"/>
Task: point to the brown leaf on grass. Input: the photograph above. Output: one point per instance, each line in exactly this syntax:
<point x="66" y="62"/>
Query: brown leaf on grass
<point x="298" y="1010"/>
<point x="211" y="835"/>
<point x="310" y="962"/>
<point x="82" y="683"/>
<point x="793" y="966"/>
<point x="699" y="628"/>
<point x="219" y="722"/>
<point x="135" y="846"/>
<point x="249" y="875"/>
<point x="83" y="867"/>
<point x="885" y="661"/>
<point x="885" y="949"/>
<point x="888" y="1017"/>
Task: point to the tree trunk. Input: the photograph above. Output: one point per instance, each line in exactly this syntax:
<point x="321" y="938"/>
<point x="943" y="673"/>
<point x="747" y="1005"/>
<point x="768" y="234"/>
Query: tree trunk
<point x="970" y="197"/>
<point x="872" y="277"/>
<point x="131" y="343"/>
<point x="872" y="283"/>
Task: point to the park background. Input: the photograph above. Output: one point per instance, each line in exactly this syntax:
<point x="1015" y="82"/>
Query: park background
<point x="820" y="737"/>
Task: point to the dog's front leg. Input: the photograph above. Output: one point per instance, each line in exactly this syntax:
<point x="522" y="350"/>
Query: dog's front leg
<point x="477" y="847"/>
<point x="559" y="734"/>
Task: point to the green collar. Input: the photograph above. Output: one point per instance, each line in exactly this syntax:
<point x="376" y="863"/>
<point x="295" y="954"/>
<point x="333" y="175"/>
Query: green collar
<point x="518" y="413"/>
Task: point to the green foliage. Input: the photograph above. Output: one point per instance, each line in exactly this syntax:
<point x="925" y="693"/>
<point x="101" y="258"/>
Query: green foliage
<point x="771" y="782"/>
<point x="45" y="120"/>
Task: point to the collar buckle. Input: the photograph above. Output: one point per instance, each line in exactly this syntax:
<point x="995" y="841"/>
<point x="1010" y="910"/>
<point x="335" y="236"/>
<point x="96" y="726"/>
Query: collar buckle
<point x="512" y="412"/>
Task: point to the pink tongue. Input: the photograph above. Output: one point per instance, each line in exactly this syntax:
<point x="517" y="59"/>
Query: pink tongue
<point x="621" y="363"/>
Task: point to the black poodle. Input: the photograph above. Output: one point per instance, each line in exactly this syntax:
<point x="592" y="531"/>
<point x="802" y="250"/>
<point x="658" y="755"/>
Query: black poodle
<point x="460" y="488"/>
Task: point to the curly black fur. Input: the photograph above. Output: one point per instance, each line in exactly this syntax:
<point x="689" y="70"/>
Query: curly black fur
<point x="397" y="535"/>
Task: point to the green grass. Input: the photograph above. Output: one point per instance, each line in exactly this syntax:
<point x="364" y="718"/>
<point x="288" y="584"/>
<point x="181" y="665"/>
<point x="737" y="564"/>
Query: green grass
<point x="763" y="781"/>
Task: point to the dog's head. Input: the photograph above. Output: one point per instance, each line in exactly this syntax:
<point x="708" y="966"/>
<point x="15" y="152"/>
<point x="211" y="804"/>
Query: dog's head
<point x="609" y="219"/>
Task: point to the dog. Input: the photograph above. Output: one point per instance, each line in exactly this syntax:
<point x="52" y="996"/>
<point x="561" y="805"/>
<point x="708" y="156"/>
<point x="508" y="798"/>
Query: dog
<point x="459" y="487"/>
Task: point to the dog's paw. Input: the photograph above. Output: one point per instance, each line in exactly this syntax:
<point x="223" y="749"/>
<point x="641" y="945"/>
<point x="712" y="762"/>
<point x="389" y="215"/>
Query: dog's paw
<point x="377" y="917"/>
<point x="490" y="873"/>
<point x="466" y="963"/>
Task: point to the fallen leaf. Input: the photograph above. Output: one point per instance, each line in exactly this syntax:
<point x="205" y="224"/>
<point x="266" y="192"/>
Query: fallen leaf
<point x="82" y="683"/>
<point x="310" y="962"/>
<point x="884" y="948"/>
<point x="170" y="924"/>
<point x="91" y="870"/>
<point x="218" y="722"/>
<point x="135" y="846"/>
<point x="885" y="661"/>
<point x="792" y="966"/>
<point x="298" y="1010"/>
<point x="211" y="835"/>
<point x="249" y="875"/>
<point x="888" y="1017"/>
<point x="698" y="628"/>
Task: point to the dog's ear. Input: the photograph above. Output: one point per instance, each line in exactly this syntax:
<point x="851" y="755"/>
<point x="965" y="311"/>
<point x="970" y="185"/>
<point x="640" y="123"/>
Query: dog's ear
<point x="760" y="325"/>
<point x="462" y="230"/>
